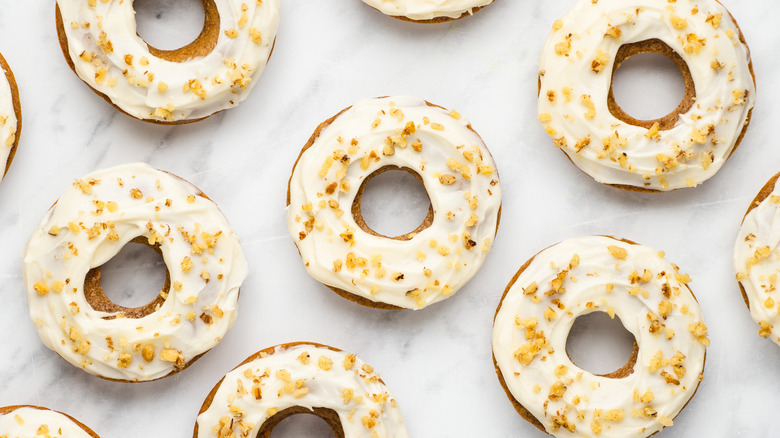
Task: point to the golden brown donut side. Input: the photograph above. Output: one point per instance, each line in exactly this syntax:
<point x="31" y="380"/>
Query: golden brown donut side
<point x="17" y="111"/>
<point x="760" y="197"/>
<point x="437" y="20"/>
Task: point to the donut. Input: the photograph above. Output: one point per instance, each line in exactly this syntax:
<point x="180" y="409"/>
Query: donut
<point x="428" y="11"/>
<point x="95" y="218"/>
<point x="297" y="378"/>
<point x="757" y="259"/>
<point x="413" y="270"/>
<point x="599" y="274"/>
<point x="33" y="421"/>
<point x="682" y="149"/>
<point x="10" y="117"/>
<point x="215" y="72"/>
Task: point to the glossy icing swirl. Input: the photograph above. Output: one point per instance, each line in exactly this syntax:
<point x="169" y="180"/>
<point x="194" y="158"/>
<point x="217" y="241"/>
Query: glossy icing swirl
<point x="600" y="274"/>
<point x="308" y="376"/>
<point x="457" y="171"/>
<point x="110" y="57"/>
<point x="575" y="81"/>
<point x="95" y="218"/>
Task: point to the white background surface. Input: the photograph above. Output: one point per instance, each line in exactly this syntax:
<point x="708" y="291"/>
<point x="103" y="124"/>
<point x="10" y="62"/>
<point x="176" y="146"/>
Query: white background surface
<point x="437" y="362"/>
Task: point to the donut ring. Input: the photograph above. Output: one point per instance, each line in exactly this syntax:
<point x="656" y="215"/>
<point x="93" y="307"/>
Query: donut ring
<point x="428" y="11"/>
<point x="618" y="277"/>
<point x="29" y="421"/>
<point x="682" y="149"/>
<point x="215" y="72"/>
<point x="296" y="378"/>
<point x="10" y="117"/>
<point x="89" y="225"/>
<point x="756" y="259"/>
<point x="409" y="271"/>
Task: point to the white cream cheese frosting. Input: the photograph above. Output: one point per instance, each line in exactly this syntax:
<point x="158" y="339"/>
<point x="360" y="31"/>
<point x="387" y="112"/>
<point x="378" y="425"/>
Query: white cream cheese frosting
<point x="95" y="218"/>
<point x="308" y="376"/>
<point x="575" y="75"/>
<point x="757" y="262"/>
<point x="600" y="274"/>
<point x="29" y="422"/>
<point x="427" y="9"/>
<point x="8" y="121"/>
<point x="459" y="176"/>
<point x="111" y="58"/>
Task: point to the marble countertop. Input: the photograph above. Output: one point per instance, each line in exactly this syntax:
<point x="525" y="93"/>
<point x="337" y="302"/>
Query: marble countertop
<point x="437" y="362"/>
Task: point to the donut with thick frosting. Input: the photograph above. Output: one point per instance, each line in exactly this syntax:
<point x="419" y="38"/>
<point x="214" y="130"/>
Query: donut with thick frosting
<point x="683" y="149"/>
<point x="95" y="218"/>
<point x="37" y="422"/>
<point x="599" y="274"/>
<point x="215" y="72"/>
<point x="295" y="378"/>
<point x="416" y="269"/>
<point x="757" y="259"/>
<point x="428" y="11"/>
<point x="10" y="117"/>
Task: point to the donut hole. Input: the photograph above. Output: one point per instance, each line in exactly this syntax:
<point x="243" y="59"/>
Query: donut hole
<point x="650" y="84"/>
<point x="602" y="345"/>
<point x="393" y="202"/>
<point x="114" y="287"/>
<point x="319" y="423"/>
<point x="177" y="30"/>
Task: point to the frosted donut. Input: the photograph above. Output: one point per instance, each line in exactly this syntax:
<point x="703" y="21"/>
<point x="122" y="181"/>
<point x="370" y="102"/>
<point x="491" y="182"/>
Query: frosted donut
<point x="683" y="149"/>
<point x="37" y="422"/>
<point x="10" y="117"/>
<point x="95" y="218"/>
<point x="215" y="72"/>
<point x="428" y="11"/>
<point x="296" y="378"/>
<point x="757" y="259"/>
<point x="410" y="271"/>
<point x="599" y="274"/>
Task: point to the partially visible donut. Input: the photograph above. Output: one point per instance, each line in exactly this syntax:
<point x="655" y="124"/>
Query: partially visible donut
<point x="428" y="11"/>
<point x="409" y="271"/>
<point x="95" y="218"/>
<point x="683" y="149"/>
<point x="33" y="421"/>
<point x="599" y="274"/>
<point x="297" y="378"/>
<point x="757" y="259"/>
<point x="10" y="117"/>
<point x="215" y="72"/>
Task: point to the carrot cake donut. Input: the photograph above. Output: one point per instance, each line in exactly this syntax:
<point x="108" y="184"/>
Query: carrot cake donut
<point x="95" y="218"/>
<point x="428" y="11"/>
<point x="10" y="117"/>
<point x="757" y="259"/>
<point x="296" y="378"/>
<point x="33" y="421"/>
<point x="215" y="72"/>
<point x="683" y="149"/>
<point x="599" y="274"/>
<point x="413" y="270"/>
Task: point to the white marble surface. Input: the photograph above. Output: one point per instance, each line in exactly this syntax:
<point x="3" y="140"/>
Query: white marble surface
<point x="437" y="362"/>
